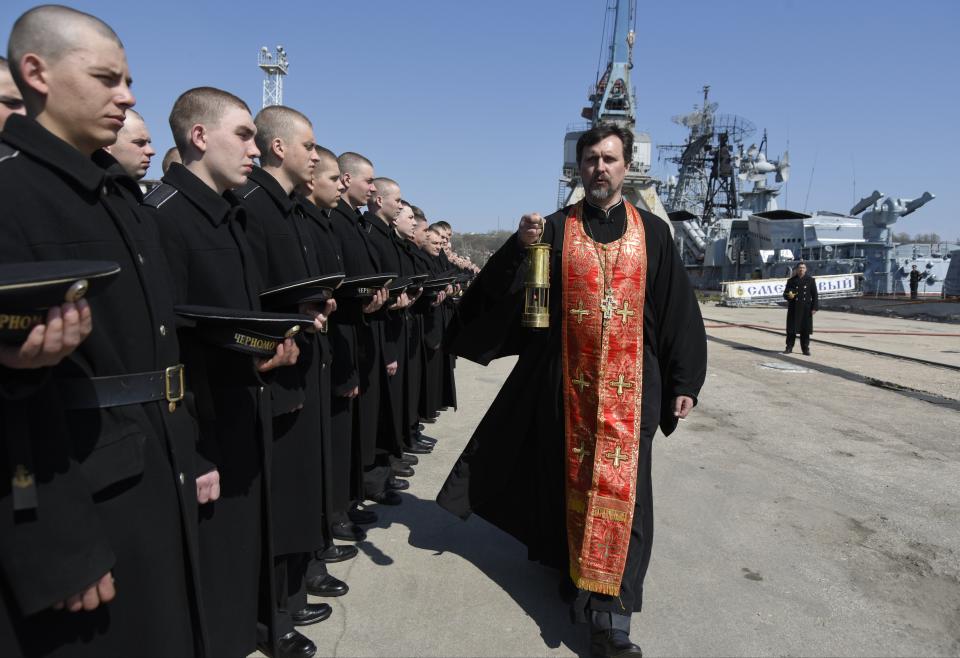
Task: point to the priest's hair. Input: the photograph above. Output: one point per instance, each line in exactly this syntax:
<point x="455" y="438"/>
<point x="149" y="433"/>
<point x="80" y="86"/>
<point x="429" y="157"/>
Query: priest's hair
<point x="52" y="31"/>
<point x="350" y="163"/>
<point x="276" y="122"/>
<point x="600" y="133"/>
<point x="200" y="105"/>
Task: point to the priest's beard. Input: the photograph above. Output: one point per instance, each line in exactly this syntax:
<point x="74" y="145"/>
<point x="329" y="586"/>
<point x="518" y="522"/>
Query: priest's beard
<point x="601" y="193"/>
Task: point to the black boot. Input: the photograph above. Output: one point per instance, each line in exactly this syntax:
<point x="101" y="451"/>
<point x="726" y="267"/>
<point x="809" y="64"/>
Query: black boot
<point x="610" y="636"/>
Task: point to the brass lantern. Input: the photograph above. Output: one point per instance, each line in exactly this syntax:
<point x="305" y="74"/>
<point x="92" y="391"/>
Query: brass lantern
<point x="536" y="284"/>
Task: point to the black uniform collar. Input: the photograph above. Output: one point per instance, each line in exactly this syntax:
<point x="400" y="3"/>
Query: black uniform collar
<point x="618" y="213"/>
<point x="40" y="144"/>
<point x="349" y="211"/>
<point x="310" y="209"/>
<point x="213" y="206"/>
<point x="272" y="187"/>
<point x="372" y="219"/>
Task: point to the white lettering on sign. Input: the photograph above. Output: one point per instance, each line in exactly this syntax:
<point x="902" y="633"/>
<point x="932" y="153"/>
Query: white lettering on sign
<point x="771" y="289"/>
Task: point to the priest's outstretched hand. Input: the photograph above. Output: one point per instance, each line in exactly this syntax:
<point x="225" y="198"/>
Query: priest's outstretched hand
<point x="531" y="226"/>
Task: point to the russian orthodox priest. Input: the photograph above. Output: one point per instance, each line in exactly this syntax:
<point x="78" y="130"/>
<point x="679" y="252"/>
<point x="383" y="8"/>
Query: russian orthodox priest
<point x="561" y="461"/>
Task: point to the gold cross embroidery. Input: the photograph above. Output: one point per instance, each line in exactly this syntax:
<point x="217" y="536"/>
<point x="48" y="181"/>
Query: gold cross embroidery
<point x="581" y="452"/>
<point x="579" y="311"/>
<point x="580" y="382"/>
<point x="616" y="457"/>
<point x="625" y="313"/>
<point x="608" y="544"/>
<point x="620" y="384"/>
<point x="607" y="305"/>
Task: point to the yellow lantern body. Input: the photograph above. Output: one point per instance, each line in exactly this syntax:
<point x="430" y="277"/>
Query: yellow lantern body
<point x="536" y="283"/>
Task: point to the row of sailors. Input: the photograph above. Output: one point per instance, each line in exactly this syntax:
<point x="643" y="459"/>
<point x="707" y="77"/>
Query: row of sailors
<point x="178" y="491"/>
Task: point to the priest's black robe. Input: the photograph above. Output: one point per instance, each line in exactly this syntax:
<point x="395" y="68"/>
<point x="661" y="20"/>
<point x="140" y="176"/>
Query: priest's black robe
<point x="512" y="470"/>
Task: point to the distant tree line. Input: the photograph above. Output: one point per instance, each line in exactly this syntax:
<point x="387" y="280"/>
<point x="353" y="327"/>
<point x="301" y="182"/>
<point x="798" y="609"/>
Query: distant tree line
<point x="478" y="247"/>
<point x="922" y="238"/>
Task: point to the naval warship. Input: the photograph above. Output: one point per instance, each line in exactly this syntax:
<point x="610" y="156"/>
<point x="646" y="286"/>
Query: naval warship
<point x="722" y="206"/>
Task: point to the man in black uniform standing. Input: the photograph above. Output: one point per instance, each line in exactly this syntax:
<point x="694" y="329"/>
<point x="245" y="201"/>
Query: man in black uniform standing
<point x="801" y="296"/>
<point x="212" y="265"/>
<point x="359" y="258"/>
<point x="915" y="277"/>
<point x="278" y="234"/>
<point x="117" y="496"/>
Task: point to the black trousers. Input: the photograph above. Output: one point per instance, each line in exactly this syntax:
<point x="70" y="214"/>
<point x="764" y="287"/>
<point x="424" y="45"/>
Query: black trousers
<point x="792" y="339"/>
<point x="913" y="292"/>
<point x="291" y="595"/>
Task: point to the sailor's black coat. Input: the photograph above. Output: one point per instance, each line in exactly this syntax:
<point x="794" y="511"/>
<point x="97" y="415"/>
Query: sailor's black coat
<point x="116" y="486"/>
<point x="212" y="265"/>
<point x="284" y="253"/>
<point x="800" y="308"/>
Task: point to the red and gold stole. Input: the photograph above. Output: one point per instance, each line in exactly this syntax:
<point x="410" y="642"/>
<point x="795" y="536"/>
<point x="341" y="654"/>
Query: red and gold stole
<point x="602" y="382"/>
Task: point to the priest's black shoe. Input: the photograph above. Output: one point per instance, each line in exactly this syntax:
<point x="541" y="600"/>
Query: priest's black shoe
<point x="292" y="645"/>
<point x="326" y="586"/>
<point x="396" y="484"/>
<point x="417" y="449"/>
<point x="806" y="352"/>
<point x="337" y="553"/>
<point x="314" y="613"/>
<point x="613" y="643"/>
<point x="401" y="469"/>
<point x="363" y="516"/>
<point x="387" y="498"/>
<point x="789" y="350"/>
<point x="410" y="460"/>
<point x="347" y="532"/>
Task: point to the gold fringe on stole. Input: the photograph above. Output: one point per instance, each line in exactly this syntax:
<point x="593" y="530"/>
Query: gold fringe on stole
<point x="611" y="514"/>
<point x="591" y="585"/>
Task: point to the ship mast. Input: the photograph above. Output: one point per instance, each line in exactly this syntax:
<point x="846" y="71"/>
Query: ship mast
<point x="613" y="102"/>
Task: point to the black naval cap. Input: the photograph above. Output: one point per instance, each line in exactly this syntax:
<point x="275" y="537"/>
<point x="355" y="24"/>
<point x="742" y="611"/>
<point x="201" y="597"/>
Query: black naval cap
<point x="313" y="289"/>
<point x="256" y="333"/>
<point x="364" y="286"/>
<point x="28" y="290"/>
<point x="415" y="282"/>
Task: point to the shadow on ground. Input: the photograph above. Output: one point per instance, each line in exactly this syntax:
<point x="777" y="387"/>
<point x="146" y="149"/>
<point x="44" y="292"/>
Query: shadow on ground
<point x="501" y="558"/>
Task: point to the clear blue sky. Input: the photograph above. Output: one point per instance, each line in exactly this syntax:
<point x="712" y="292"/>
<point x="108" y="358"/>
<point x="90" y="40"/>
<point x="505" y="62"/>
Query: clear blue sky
<point x="466" y="103"/>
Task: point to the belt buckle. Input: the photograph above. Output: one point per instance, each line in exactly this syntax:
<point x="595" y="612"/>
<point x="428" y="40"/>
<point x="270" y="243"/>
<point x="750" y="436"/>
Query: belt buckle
<point x="174" y="386"/>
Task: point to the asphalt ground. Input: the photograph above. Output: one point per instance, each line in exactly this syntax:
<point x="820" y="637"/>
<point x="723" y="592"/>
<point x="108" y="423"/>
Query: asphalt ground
<point x="801" y="510"/>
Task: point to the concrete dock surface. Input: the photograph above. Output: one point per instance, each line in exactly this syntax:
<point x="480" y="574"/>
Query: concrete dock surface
<point x="800" y="510"/>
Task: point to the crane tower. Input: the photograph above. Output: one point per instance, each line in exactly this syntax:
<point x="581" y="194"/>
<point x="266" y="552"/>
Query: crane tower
<point x="274" y="67"/>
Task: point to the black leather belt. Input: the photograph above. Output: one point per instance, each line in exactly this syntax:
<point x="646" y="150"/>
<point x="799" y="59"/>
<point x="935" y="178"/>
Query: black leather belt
<point x="120" y="390"/>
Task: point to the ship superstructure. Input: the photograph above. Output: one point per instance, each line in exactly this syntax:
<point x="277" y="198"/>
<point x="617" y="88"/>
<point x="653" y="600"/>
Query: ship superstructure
<point x="728" y="225"/>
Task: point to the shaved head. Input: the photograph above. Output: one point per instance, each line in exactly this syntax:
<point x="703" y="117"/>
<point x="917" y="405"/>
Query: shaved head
<point x="326" y="155"/>
<point x="385" y="186"/>
<point x="172" y="155"/>
<point x="200" y="105"/>
<point x="52" y="31"/>
<point x="277" y="122"/>
<point x="351" y="163"/>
